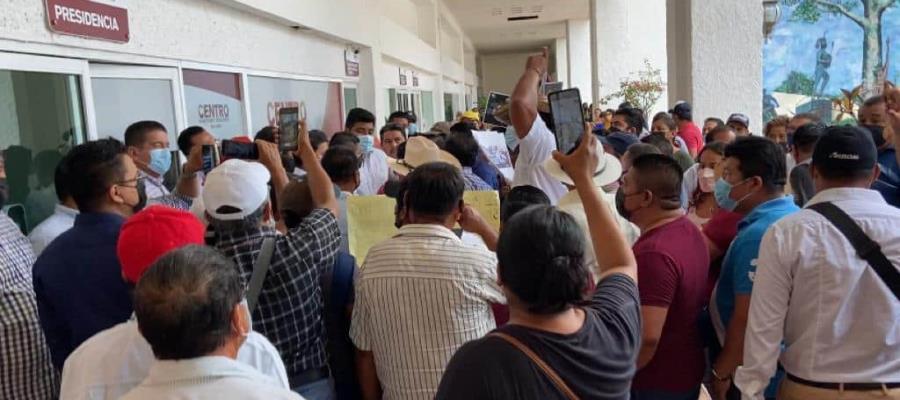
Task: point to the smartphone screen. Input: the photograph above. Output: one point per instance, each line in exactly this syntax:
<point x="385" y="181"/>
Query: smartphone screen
<point x="209" y="157"/>
<point x="287" y="124"/>
<point x="568" y="118"/>
<point x="239" y="150"/>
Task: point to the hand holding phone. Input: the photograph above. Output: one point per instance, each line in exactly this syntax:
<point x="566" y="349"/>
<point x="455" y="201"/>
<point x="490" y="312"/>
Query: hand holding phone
<point x="209" y="157"/>
<point x="287" y="125"/>
<point x="239" y="150"/>
<point x="568" y="118"/>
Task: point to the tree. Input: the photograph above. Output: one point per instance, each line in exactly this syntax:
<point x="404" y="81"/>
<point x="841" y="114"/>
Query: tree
<point x="797" y="83"/>
<point x="869" y="21"/>
<point x="642" y="88"/>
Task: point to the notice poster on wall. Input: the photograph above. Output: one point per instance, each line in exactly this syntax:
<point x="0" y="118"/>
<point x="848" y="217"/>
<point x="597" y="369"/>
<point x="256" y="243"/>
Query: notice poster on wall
<point x="214" y="101"/>
<point x="493" y="144"/>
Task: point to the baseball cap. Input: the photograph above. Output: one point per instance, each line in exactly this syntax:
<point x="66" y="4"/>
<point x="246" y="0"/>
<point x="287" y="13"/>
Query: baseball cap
<point x="682" y="110"/>
<point x="847" y="148"/>
<point x="149" y="234"/>
<point x="235" y="189"/>
<point x="473" y="115"/>
<point x="739" y="118"/>
<point x="620" y="142"/>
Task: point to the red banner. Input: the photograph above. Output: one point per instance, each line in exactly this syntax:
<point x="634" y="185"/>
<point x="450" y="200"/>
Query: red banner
<point x="88" y="19"/>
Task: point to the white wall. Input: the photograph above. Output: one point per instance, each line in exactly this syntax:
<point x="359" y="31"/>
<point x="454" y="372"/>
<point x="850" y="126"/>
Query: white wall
<point x="562" y="61"/>
<point x="627" y="33"/>
<point x="500" y="72"/>
<point x="298" y="37"/>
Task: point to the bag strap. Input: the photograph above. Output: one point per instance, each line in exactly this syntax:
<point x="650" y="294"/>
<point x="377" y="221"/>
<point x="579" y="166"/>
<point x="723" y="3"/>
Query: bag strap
<point x="867" y="249"/>
<point x="260" y="269"/>
<point x="548" y="371"/>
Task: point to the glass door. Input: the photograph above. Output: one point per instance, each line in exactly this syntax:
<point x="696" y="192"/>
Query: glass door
<point x="43" y="115"/>
<point x="126" y="94"/>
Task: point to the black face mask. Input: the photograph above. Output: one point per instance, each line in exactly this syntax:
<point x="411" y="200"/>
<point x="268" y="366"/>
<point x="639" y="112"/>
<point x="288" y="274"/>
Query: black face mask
<point x="142" y="197"/>
<point x="620" y="204"/>
<point x="877" y="132"/>
<point x="614" y="129"/>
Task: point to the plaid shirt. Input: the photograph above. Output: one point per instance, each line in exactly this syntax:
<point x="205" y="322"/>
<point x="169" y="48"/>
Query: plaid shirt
<point x="290" y="311"/>
<point x="474" y="182"/>
<point x="25" y="368"/>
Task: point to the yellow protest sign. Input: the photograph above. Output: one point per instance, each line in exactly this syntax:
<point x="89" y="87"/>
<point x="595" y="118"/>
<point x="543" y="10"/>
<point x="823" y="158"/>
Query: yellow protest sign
<point x="487" y="204"/>
<point x="370" y="219"/>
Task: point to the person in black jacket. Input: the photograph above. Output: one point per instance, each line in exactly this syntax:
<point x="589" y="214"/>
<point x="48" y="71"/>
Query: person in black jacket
<point x="805" y="139"/>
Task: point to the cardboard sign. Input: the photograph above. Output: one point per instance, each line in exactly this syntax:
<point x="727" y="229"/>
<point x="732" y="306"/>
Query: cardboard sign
<point x="370" y="219"/>
<point x="88" y="19"/>
<point x="493" y="144"/>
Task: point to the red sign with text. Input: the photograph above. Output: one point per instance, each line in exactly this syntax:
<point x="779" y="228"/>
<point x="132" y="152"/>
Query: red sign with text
<point x="88" y="19"/>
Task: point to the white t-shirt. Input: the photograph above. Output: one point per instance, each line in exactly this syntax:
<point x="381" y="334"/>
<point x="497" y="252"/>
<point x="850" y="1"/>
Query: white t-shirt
<point x="373" y="173"/>
<point x="534" y="149"/>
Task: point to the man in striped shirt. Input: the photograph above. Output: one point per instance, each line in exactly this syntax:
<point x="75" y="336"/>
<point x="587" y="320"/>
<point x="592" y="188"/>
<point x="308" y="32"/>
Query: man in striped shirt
<point x="423" y="293"/>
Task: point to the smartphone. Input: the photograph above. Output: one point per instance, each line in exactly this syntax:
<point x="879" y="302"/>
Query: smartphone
<point x="209" y="157"/>
<point x="287" y="124"/>
<point x="568" y="118"/>
<point x="240" y="150"/>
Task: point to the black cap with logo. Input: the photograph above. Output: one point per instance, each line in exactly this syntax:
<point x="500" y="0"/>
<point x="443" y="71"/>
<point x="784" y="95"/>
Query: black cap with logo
<point x="847" y="148"/>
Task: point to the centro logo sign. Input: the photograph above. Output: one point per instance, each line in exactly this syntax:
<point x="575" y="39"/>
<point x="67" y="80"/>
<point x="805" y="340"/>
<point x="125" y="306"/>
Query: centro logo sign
<point x="213" y="112"/>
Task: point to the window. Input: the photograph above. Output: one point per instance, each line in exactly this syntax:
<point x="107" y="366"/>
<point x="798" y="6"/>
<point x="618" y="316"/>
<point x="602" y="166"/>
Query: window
<point x="42" y="118"/>
<point x="119" y="102"/>
<point x="449" y="107"/>
<point x="321" y="100"/>
<point x="426" y="119"/>
<point x="214" y="101"/>
<point x="350" y="101"/>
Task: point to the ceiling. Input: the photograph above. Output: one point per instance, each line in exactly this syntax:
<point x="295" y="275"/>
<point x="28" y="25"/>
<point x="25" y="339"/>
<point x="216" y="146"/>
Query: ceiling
<point x="486" y="24"/>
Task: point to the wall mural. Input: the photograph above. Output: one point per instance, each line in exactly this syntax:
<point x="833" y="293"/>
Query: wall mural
<point x="825" y="56"/>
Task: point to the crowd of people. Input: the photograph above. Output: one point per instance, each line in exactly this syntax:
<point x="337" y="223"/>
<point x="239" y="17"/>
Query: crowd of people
<point x="658" y="259"/>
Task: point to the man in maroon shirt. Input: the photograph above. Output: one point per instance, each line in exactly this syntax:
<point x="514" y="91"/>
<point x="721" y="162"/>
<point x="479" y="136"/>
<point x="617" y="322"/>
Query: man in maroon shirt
<point x="687" y="130"/>
<point x="673" y="265"/>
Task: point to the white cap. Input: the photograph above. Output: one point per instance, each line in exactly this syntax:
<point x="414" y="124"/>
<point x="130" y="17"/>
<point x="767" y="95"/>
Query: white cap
<point x="235" y="183"/>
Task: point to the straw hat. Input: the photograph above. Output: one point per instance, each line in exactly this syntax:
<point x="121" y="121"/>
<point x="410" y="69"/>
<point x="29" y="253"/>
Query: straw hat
<point x="420" y="151"/>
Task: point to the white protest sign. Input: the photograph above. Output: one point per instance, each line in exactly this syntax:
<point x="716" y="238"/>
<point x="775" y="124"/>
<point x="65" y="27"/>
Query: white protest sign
<point x="494" y="146"/>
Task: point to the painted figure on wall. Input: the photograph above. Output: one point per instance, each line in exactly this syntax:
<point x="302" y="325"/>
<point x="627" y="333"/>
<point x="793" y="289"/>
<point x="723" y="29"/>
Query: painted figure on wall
<point x="823" y="63"/>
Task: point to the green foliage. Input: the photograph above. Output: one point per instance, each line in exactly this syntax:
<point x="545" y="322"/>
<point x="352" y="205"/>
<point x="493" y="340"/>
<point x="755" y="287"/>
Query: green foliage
<point x="642" y="89"/>
<point x="810" y="11"/>
<point x="797" y="83"/>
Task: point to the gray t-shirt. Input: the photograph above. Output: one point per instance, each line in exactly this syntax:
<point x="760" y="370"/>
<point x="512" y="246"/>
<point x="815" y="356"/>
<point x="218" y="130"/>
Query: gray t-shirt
<point x="597" y="362"/>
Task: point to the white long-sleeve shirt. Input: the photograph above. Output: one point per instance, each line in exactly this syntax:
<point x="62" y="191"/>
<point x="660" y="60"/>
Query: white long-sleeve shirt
<point x="837" y="319"/>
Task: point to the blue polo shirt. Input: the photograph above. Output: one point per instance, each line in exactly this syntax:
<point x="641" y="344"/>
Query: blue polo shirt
<point x="888" y="182"/>
<point x="739" y="264"/>
<point x="79" y="286"/>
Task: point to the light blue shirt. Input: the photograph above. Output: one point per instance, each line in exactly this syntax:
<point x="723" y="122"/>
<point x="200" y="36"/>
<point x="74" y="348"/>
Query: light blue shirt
<point x="63" y="219"/>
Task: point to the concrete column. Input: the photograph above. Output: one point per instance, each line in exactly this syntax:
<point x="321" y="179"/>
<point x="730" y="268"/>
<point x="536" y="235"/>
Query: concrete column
<point x="578" y="52"/>
<point x="624" y="33"/>
<point x="370" y="92"/>
<point x="717" y="57"/>
<point x="562" y="61"/>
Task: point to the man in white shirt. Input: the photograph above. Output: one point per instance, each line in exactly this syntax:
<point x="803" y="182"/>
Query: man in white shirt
<point x="423" y="293"/>
<point x="373" y="172"/>
<point x="536" y="142"/>
<point x="189" y="308"/>
<point x="816" y="298"/>
<point x="609" y="170"/>
<point x="114" y="361"/>
<point x="63" y="217"/>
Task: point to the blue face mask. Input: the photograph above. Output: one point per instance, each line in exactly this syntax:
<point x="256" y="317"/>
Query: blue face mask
<point x="160" y="161"/>
<point x="366" y="143"/>
<point x="412" y="130"/>
<point x="722" y="192"/>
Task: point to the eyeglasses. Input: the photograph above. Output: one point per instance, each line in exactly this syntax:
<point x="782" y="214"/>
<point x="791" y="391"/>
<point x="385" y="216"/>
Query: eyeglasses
<point x="137" y="181"/>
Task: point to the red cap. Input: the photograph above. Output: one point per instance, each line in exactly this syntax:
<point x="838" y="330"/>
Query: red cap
<point x="155" y="231"/>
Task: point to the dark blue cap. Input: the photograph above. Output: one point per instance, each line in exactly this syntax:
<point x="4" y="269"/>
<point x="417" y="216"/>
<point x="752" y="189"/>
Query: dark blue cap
<point x="847" y="148"/>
